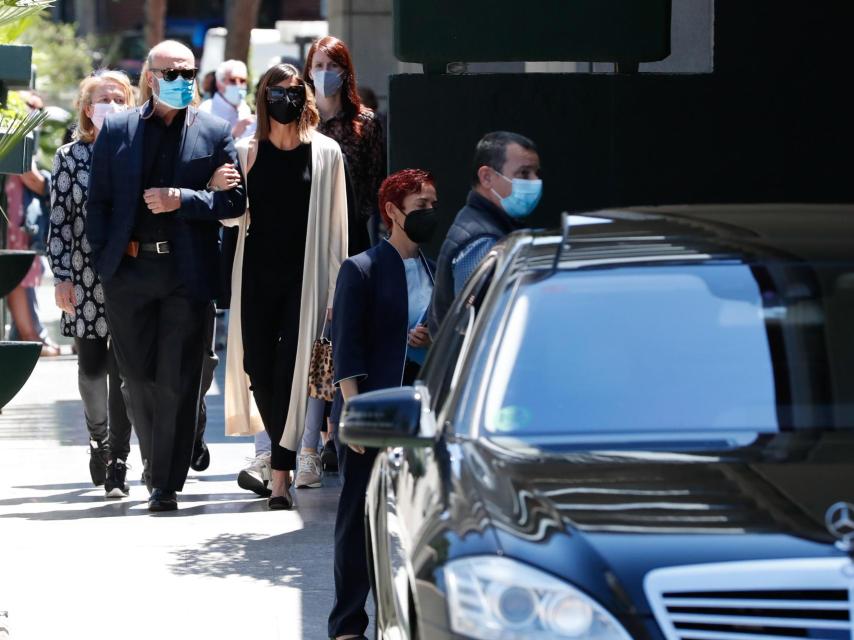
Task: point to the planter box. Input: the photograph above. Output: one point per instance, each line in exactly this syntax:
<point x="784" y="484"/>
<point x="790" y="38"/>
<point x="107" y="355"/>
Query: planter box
<point x="13" y="267"/>
<point x="17" y="361"/>
<point x="16" y="66"/>
<point x="20" y="158"/>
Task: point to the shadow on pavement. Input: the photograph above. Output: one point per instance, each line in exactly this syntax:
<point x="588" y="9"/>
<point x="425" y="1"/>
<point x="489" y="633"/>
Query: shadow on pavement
<point x="192" y="478"/>
<point x="299" y="559"/>
<point x="280" y="560"/>
<point x="106" y="508"/>
<point x="60" y="420"/>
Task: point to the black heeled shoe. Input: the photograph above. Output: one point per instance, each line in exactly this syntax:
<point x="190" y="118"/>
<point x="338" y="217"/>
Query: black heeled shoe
<point x="280" y="503"/>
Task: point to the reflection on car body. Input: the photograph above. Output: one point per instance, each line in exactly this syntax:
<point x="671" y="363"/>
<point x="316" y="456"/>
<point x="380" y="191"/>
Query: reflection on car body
<point x="639" y="426"/>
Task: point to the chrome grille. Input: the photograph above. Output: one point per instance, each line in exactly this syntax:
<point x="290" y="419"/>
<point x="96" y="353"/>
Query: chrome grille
<point x="761" y="600"/>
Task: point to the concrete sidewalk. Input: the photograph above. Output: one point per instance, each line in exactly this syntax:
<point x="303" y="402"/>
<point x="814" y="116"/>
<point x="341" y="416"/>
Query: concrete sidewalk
<point x="74" y="565"/>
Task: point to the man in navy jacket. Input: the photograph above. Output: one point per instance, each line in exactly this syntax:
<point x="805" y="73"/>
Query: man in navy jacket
<point x="505" y="189"/>
<point x="152" y="224"/>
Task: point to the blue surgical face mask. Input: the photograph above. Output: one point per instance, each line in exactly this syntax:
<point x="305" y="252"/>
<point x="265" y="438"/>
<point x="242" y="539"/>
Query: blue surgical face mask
<point x="524" y="197"/>
<point x="177" y="94"/>
<point x="234" y="94"/>
<point x="327" y="83"/>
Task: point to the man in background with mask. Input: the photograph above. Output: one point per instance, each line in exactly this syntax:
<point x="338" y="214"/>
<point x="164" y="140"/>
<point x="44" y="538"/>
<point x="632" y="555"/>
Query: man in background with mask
<point x="229" y="100"/>
<point x="153" y="225"/>
<point x="505" y="190"/>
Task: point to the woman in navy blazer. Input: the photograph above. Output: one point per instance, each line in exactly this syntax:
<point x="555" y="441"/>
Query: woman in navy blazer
<point x="379" y="340"/>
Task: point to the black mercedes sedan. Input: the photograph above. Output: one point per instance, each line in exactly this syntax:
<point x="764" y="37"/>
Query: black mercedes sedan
<point x="638" y="426"/>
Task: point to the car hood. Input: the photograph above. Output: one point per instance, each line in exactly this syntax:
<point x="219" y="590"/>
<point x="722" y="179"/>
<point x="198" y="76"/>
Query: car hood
<point x="603" y="520"/>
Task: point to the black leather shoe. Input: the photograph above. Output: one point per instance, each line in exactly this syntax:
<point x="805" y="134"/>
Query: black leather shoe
<point x="201" y="457"/>
<point x="280" y="503"/>
<point x="162" y="500"/>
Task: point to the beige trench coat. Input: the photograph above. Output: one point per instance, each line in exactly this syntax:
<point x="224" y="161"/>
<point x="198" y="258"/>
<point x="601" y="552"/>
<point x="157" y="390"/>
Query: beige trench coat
<point x="325" y="250"/>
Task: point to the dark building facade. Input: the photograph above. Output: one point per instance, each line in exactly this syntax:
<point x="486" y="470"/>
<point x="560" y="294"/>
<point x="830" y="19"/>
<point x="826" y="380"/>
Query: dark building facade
<point x="771" y="120"/>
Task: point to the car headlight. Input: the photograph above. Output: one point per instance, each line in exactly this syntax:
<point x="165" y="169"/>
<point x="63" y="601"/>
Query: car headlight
<point x="495" y="598"/>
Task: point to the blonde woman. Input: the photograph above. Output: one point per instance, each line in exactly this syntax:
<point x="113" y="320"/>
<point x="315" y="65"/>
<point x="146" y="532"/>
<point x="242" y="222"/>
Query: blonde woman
<point x="285" y="269"/>
<point x="78" y="290"/>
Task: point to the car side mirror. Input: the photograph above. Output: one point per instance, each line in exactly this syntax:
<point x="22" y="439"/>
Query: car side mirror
<point x="398" y="417"/>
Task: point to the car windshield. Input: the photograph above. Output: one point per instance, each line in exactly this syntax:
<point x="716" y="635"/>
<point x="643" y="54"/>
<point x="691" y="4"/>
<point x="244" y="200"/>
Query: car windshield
<point x="676" y="351"/>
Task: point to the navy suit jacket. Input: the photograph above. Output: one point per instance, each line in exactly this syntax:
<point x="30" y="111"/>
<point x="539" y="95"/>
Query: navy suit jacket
<point x="115" y="190"/>
<point x="370" y="328"/>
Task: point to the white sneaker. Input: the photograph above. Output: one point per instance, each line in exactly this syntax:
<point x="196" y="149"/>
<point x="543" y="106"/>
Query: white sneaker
<point x="257" y="475"/>
<point x="309" y="475"/>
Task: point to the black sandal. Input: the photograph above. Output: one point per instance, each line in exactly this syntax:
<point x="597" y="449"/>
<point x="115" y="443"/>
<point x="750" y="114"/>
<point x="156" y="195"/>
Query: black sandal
<point x="280" y="503"/>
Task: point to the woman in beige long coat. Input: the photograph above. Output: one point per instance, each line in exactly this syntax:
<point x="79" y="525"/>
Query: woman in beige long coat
<point x="285" y="268"/>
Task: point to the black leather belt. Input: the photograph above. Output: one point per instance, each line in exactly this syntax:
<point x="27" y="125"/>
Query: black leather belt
<point x="163" y="246"/>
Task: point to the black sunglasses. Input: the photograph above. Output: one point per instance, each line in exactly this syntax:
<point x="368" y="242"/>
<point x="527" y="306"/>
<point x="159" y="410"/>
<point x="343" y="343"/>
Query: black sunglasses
<point x="172" y="74"/>
<point x="292" y="94"/>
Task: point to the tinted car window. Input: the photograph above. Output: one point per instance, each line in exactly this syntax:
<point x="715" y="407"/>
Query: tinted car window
<point x="442" y="360"/>
<point x="671" y="349"/>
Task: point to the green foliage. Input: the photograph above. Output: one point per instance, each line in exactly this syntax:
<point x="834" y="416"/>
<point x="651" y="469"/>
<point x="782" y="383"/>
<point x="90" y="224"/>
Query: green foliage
<point x="15" y="106"/>
<point x="62" y="59"/>
<point x="16" y="16"/>
<point x="50" y="139"/>
<point x="16" y="123"/>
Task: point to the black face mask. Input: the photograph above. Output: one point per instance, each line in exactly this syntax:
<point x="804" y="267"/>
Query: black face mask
<point x="420" y="225"/>
<point x="285" y="104"/>
<point x="284" y="111"/>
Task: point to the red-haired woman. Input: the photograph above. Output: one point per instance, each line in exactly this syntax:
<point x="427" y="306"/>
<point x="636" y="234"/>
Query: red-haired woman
<point x="329" y="71"/>
<point x="379" y="340"/>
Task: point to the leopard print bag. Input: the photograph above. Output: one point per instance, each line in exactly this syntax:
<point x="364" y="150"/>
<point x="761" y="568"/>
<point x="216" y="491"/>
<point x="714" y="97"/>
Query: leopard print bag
<point x="320" y="369"/>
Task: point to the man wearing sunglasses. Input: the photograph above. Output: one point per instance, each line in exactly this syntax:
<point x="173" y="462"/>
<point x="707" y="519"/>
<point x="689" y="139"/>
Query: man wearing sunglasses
<point x="229" y="100"/>
<point x="153" y="224"/>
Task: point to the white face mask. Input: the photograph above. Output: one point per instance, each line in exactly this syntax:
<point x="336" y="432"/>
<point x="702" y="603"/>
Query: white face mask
<point x="101" y="109"/>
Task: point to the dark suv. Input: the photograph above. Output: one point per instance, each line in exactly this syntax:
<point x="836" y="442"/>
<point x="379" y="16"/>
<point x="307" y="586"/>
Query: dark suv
<point x="639" y="426"/>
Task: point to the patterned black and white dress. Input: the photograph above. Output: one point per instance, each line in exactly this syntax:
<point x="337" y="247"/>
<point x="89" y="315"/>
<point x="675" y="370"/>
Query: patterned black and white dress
<point x="68" y="248"/>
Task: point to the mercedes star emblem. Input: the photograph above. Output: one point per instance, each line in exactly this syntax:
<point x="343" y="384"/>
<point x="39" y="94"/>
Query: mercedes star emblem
<point x="840" y="522"/>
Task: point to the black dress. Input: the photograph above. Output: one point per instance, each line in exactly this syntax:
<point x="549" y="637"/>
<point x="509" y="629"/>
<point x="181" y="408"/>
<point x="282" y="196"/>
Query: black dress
<point x="279" y="184"/>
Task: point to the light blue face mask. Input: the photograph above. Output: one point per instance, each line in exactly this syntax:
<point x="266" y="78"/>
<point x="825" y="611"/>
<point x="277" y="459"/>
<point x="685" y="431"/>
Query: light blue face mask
<point x="524" y="197"/>
<point x="234" y="94"/>
<point x="327" y="83"/>
<point x="177" y="94"/>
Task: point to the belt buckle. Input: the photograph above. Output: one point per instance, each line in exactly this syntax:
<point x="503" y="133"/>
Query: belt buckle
<point x="165" y="247"/>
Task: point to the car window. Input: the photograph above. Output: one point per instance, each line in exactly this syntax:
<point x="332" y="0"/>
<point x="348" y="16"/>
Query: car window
<point x="443" y="359"/>
<point x="612" y="353"/>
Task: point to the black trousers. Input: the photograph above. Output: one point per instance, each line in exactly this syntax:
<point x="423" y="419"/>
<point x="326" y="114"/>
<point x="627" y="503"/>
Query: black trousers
<point x="211" y="360"/>
<point x="352" y="583"/>
<point x="101" y="391"/>
<point x="158" y="333"/>
<point x="270" y="313"/>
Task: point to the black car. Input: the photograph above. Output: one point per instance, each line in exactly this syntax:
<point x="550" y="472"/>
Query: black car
<point x="639" y="426"/>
